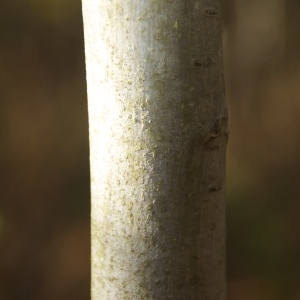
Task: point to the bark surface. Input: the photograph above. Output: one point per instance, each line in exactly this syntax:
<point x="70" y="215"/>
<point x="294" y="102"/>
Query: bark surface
<point x="158" y="132"/>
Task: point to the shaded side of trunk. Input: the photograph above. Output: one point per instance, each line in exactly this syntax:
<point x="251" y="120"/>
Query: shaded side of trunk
<point x="158" y="131"/>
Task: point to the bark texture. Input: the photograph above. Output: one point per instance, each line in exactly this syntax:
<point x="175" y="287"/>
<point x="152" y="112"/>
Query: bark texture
<point x="158" y="132"/>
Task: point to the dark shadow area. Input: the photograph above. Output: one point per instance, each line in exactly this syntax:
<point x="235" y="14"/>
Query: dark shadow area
<point x="262" y="64"/>
<point x="44" y="195"/>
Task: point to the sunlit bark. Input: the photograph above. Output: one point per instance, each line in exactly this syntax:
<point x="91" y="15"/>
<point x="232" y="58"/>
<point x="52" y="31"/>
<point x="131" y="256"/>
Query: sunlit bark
<point x="158" y="132"/>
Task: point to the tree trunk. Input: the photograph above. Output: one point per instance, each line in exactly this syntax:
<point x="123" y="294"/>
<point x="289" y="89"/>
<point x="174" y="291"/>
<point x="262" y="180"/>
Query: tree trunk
<point x="158" y="132"/>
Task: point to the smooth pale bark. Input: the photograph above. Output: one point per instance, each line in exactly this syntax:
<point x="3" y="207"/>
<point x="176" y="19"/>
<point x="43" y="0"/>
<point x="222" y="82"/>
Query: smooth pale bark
<point x="158" y="131"/>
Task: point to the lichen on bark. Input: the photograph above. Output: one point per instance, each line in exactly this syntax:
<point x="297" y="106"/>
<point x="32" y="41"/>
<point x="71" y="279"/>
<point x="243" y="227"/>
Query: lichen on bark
<point x="158" y="133"/>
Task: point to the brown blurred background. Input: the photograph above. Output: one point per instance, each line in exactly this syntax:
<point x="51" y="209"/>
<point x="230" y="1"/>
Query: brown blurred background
<point x="44" y="187"/>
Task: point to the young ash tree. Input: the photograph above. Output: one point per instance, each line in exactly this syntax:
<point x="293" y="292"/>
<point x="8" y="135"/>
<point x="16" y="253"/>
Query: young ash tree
<point x="158" y="132"/>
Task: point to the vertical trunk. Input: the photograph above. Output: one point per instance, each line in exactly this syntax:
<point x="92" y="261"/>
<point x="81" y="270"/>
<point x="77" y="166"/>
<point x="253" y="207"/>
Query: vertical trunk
<point x="157" y="148"/>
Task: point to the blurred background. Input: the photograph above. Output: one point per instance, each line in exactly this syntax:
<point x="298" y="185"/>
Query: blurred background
<point x="44" y="186"/>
